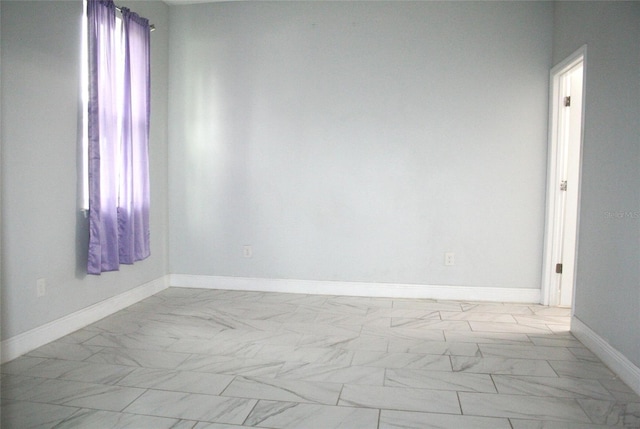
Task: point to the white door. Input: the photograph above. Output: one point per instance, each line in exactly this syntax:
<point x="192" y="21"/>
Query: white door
<point x="571" y="142"/>
<point x="564" y="180"/>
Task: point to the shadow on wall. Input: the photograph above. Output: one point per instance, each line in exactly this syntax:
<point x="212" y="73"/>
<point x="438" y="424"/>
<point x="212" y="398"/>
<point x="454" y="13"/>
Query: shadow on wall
<point x="82" y="244"/>
<point x="82" y="216"/>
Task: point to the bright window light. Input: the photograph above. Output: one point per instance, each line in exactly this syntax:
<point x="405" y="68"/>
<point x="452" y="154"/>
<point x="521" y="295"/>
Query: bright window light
<point x="84" y="94"/>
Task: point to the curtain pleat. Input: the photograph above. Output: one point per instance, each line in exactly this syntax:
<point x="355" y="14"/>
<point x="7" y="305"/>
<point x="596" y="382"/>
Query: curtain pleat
<point x="133" y="211"/>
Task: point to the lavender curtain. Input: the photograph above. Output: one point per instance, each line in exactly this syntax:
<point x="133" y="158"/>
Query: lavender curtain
<point x="133" y="215"/>
<point x="119" y="89"/>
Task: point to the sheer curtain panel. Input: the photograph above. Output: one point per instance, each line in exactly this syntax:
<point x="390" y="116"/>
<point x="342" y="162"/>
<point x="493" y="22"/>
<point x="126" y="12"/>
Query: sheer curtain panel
<point x="118" y="133"/>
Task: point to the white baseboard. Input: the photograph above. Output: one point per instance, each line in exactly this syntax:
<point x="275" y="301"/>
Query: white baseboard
<point x="23" y="343"/>
<point x="616" y="361"/>
<point x="387" y="290"/>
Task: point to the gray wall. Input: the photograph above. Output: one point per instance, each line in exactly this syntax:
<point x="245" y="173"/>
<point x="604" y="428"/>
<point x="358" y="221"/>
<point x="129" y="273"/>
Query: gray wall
<point x="608" y="270"/>
<point x="43" y="234"/>
<point x="359" y="141"/>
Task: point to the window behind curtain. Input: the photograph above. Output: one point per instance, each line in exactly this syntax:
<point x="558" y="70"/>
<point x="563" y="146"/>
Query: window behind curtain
<point x="84" y="85"/>
<point x="83" y="193"/>
<point x="117" y="134"/>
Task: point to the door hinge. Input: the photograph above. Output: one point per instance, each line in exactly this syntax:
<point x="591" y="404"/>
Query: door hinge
<point x="563" y="185"/>
<point x="558" y="268"/>
<point x="567" y="101"/>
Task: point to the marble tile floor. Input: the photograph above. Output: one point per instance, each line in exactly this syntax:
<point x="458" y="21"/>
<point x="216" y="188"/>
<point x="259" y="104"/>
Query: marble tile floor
<point x="211" y="359"/>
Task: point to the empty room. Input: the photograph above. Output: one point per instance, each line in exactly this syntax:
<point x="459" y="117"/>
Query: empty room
<point x="325" y="214"/>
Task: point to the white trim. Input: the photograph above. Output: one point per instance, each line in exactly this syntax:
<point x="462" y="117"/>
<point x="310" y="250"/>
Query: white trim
<point x="616" y="361"/>
<point x="389" y="290"/>
<point x="23" y="343"/>
<point x="552" y="240"/>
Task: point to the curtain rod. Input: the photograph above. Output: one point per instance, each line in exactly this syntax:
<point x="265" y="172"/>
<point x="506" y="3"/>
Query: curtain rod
<point x="152" y="27"/>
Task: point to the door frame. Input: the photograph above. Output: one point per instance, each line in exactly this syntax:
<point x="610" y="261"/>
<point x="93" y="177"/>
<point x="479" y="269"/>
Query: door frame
<point x="550" y="295"/>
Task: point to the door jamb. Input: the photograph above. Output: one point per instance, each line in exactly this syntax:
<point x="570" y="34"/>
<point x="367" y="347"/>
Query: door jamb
<point x="552" y="239"/>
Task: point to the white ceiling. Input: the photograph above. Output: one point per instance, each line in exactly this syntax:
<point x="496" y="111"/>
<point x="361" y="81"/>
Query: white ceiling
<point x="178" y="2"/>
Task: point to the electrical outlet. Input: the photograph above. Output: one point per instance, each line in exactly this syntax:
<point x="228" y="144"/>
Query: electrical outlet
<point x="449" y="258"/>
<point x="41" y="287"/>
<point x="247" y="251"/>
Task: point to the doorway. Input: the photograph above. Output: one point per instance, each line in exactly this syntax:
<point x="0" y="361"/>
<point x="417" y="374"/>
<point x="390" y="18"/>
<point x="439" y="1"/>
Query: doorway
<point x="563" y="187"/>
